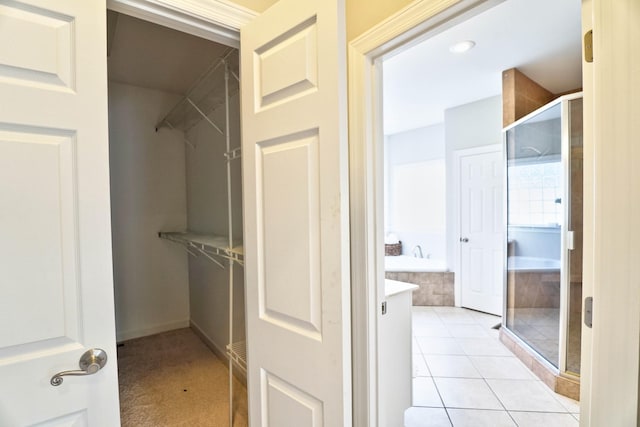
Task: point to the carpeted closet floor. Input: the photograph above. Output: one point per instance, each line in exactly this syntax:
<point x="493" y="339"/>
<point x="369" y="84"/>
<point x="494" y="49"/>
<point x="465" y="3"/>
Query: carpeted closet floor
<point x="173" y="379"/>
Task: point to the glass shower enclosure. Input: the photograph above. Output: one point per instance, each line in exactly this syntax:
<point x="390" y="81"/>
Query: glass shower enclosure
<point x="544" y="231"/>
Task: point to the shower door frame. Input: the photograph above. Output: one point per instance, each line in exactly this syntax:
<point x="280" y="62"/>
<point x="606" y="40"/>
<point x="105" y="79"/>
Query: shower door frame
<point x="565" y="159"/>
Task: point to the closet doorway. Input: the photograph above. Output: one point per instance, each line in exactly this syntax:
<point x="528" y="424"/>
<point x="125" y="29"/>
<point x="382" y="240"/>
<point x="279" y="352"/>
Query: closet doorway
<point x="176" y="204"/>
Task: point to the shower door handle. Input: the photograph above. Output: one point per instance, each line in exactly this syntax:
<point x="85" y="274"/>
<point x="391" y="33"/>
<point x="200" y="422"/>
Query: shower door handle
<point x="90" y="362"/>
<point x="464" y="239"/>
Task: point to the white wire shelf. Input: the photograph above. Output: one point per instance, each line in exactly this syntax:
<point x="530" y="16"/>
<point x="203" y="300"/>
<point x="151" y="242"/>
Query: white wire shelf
<point x="209" y="245"/>
<point x="205" y="96"/>
<point x="237" y="352"/>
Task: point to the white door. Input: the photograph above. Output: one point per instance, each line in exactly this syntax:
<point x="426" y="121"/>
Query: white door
<point x="295" y="188"/>
<point x="611" y="349"/>
<point x="481" y="230"/>
<point x="56" y="291"/>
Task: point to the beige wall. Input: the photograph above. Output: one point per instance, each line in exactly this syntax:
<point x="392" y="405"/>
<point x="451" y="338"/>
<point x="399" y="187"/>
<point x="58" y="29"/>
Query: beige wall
<point x="364" y="14"/>
<point x="361" y="14"/>
<point x="257" y="5"/>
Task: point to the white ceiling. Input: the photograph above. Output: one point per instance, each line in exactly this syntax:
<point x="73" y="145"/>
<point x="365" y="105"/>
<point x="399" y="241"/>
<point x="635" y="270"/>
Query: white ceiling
<point x="542" y="38"/>
<point x="156" y="57"/>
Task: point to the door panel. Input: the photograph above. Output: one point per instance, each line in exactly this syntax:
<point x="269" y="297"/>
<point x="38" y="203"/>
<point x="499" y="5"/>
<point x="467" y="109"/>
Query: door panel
<point x="290" y="164"/>
<point x="611" y="223"/>
<point x="295" y="200"/>
<point x="481" y="223"/>
<point x="39" y="163"/>
<point x="56" y="290"/>
<point x="45" y="56"/>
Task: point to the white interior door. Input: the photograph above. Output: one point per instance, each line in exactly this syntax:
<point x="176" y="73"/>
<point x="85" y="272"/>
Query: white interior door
<point x="481" y="229"/>
<point x="296" y="215"/>
<point x="56" y="291"/>
<point x="611" y="349"/>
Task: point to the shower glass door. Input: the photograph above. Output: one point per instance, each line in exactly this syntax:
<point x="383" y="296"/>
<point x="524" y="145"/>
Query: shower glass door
<point x="544" y="231"/>
<point x="535" y="216"/>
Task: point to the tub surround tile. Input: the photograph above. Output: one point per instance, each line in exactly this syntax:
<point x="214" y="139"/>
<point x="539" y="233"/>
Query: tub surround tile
<point x="434" y="288"/>
<point x="448" y="300"/>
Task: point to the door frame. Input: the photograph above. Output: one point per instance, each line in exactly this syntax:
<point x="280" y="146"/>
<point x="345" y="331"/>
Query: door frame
<point x="457" y="217"/>
<point x="417" y="21"/>
<point x="214" y="20"/>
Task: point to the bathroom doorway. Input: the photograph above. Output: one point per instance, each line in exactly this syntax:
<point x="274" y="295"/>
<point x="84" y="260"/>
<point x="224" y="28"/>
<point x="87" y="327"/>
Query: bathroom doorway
<point x="470" y="108"/>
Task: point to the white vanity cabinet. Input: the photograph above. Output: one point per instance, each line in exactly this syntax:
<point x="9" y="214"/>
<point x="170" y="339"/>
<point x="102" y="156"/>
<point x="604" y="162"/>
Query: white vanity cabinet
<point x="395" y="364"/>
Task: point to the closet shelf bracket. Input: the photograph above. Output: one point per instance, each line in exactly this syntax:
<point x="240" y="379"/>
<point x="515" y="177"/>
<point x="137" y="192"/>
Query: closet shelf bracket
<point x="186" y="141"/>
<point x="209" y="245"/>
<point x="233" y="154"/>
<point x="205" y="96"/>
<point x="204" y="116"/>
<point x="237" y="352"/>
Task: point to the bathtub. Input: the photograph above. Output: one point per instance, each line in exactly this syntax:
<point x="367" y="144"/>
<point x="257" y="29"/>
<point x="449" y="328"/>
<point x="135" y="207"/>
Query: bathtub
<point x="412" y="264"/>
<point x="531" y="264"/>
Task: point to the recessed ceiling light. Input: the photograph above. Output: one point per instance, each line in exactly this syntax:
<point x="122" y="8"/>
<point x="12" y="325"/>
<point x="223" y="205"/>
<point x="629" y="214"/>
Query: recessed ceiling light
<point x="462" y="47"/>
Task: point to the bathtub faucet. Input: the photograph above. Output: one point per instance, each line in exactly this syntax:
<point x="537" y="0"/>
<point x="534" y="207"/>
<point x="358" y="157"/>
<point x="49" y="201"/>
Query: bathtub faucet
<point x="417" y="252"/>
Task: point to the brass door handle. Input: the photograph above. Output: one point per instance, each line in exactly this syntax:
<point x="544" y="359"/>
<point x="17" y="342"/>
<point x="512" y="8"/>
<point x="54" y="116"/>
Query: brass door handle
<point x="90" y="362"/>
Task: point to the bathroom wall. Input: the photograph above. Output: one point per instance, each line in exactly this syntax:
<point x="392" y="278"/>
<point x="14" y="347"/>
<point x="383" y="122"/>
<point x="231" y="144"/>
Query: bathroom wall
<point x="466" y="126"/>
<point x="207" y="208"/>
<point x="414" y="195"/>
<point x="148" y="194"/>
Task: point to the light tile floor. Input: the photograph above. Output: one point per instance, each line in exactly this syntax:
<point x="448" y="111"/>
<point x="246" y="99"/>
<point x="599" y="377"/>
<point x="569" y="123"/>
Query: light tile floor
<point x="464" y="376"/>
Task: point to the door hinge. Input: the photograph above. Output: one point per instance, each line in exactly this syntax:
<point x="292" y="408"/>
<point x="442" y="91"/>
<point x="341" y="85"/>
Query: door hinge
<point x="588" y="311"/>
<point x="384" y="307"/>
<point x="588" y="46"/>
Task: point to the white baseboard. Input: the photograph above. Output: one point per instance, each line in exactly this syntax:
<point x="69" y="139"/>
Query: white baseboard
<point x="215" y="348"/>
<point x="219" y="352"/>
<point x="156" y="329"/>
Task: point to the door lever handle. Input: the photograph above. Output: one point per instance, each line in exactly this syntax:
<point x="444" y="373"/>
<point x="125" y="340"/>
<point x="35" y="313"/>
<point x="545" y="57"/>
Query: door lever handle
<point x="90" y="362"/>
<point x="464" y="239"/>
